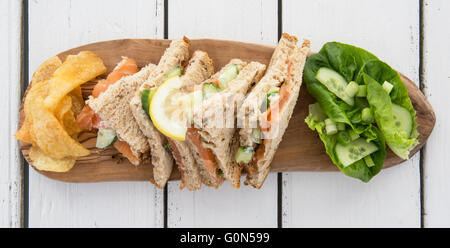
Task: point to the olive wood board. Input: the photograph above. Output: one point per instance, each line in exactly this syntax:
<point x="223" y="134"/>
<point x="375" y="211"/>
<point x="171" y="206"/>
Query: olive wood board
<point x="300" y="150"/>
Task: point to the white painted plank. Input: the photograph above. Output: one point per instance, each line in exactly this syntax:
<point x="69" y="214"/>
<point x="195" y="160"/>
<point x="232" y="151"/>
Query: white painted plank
<point x="11" y="167"/>
<point x="249" y="21"/>
<point x="436" y="82"/>
<point x="389" y="29"/>
<point x="54" y="27"/>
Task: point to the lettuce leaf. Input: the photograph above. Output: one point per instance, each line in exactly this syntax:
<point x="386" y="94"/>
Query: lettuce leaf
<point x="359" y="65"/>
<point x="379" y="100"/>
<point x="359" y="169"/>
<point x="344" y="59"/>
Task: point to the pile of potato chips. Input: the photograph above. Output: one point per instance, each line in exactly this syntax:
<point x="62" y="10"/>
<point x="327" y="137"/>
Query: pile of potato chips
<point x="51" y="105"/>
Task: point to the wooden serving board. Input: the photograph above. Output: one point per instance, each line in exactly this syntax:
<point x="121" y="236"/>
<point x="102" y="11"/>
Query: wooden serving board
<point x="300" y="149"/>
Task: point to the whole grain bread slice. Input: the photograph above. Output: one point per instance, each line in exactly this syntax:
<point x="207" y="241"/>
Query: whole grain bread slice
<point x="113" y="107"/>
<point x="218" y="117"/>
<point x="286" y="53"/>
<point x="177" y="54"/>
<point x="200" y="68"/>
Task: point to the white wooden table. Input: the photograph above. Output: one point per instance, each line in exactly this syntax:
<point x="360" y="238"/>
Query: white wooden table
<point x="413" y="36"/>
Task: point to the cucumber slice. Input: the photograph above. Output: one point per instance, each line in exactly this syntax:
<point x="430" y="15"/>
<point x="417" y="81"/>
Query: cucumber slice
<point x="228" y="75"/>
<point x="146" y="98"/>
<point x="402" y="118"/>
<point x="209" y="89"/>
<point x="362" y="91"/>
<point x="244" y="154"/>
<point x="387" y="87"/>
<point x="369" y="161"/>
<point x="356" y="150"/>
<point x="330" y="127"/>
<point x="256" y="135"/>
<point x="167" y="147"/>
<point x="273" y="92"/>
<point x="351" y="89"/>
<point x="316" y="111"/>
<point x="177" y="71"/>
<point x="334" y="83"/>
<point x="366" y="115"/>
<point x="105" y="138"/>
<point x="264" y="104"/>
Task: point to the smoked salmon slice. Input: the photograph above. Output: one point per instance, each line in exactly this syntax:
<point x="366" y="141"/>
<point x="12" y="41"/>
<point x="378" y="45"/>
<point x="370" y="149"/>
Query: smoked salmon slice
<point x="88" y="119"/>
<point x="124" y="148"/>
<point x="209" y="160"/>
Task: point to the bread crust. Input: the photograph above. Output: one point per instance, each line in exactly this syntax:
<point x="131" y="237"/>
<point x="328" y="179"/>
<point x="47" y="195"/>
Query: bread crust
<point x="113" y="107"/>
<point x="286" y="66"/>
<point x="217" y="130"/>
<point x="177" y="54"/>
<point x="190" y="174"/>
<point x="200" y="67"/>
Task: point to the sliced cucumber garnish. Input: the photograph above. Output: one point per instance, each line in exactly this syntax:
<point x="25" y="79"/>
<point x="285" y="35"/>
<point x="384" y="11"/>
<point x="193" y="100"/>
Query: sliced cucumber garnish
<point x="256" y="135"/>
<point x="335" y="83"/>
<point x="330" y="127"/>
<point x="366" y="115"/>
<point x="177" y="71"/>
<point x="167" y="147"/>
<point x="356" y="150"/>
<point x="264" y="104"/>
<point x="316" y="111"/>
<point x="105" y="138"/>
<point x="146" y="98"/>
<point x="351" y="89"/>
<point x="244" y="154"/>
<point x="369" y="161"/>
<point x="273" y="92"/>
<point x="228" y="75"/>
<point x="403" y="119"/>
<point x="362" y="91"/>
<point x="387" y="87"/>
<point x="209" y="89"/>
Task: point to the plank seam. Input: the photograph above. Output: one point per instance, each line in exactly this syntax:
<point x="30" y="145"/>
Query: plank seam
<point x="24" y="80"/>
<point x="421" y="87"/>
<point x="165" y="195"/>
<point x="280" y="175"/>
<point x="166" y="19"/>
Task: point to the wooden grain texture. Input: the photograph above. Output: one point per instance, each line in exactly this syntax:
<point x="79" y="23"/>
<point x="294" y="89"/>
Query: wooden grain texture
<point x="55" y="26"/>
<point x="436" y="85"/>
<point x="11" y="166"/>
<point x="389" y="29"/>
<point x="300" y="150"/>
<point x="247" y="21"/>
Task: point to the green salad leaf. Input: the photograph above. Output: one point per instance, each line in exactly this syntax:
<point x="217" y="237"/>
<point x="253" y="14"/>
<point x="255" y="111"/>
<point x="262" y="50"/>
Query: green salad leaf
<point x="344" y="59"/>
<point x="398" y="140"/>
<point x="359" y="65"/>
<point x="359" y="169"/>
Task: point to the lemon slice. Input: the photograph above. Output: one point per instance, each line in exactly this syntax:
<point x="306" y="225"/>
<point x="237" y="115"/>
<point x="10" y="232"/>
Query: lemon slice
<point x="167" y="109"/>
